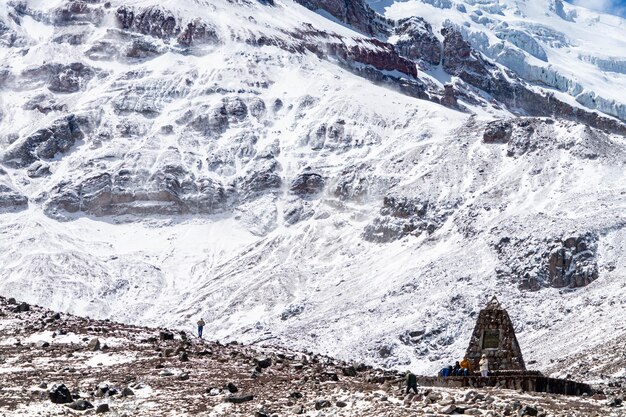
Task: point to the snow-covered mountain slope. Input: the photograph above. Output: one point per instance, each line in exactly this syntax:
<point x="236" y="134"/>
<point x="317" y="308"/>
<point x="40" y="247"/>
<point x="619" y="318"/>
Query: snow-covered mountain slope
<point x="578" y="53"/>
<point x="288" y="178"/>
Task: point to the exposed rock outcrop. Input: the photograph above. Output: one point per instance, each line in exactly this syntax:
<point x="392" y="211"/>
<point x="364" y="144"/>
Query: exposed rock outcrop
<point x="45" y="143"/>
<point x="416" y="41"/>
<point x="355" y="13"/>
<point x="569" y="262"/>
<point x="162" y="23"/>
<point x="402" y="216"/>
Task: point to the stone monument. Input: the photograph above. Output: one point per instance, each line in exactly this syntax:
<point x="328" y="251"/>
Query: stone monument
<point x="494" y="336"/>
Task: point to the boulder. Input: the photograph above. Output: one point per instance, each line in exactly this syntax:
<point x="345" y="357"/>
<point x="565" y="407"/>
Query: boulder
<point x="183" y="357"/>
<point x="166" y="373"/>
<point x="263" y="361"/>
<point x="22" y="307"/>
<point x="525" y="411"/>
<point x="103" y="408"/>
<point x="239" y="398"/>
<point x="42" y="344"/>
<point x="183" y="376"/>
<point x="166" y="335"/>
<point x="60" y="394"/>
<point x="448" y="409"/>
<point x="230" y="387"/>
<point x="341" y="404"/>
<point x="349" y="371"/>
<point x="127" y="392"/>
<point x="94" y="344"/>
<point x="166" y="352"/>
<point x="80" y="405"/>
<point x="298" y="409"/>
<point x="320" y="404"/>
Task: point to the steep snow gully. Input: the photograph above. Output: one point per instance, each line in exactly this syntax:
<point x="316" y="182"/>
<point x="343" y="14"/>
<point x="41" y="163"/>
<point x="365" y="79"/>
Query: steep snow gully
<point x="355" y="179"/>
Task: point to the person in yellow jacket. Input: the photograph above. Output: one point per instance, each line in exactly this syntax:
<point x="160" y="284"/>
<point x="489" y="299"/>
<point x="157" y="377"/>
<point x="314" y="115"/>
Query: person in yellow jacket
<point x="467" y="365"/>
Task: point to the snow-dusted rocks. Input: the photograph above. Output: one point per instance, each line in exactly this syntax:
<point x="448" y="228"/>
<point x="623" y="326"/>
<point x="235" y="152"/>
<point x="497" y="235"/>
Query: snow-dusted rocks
<point x="10" y="198"/>
<point x="45" y="143"/>
<point x="417" y="41"/>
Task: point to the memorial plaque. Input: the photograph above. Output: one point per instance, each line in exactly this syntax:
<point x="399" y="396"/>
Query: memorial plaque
<point x="491" y="339"/>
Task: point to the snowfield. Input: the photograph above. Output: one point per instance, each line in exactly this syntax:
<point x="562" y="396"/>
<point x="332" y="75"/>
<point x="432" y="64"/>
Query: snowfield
<point x="284" y="198"/>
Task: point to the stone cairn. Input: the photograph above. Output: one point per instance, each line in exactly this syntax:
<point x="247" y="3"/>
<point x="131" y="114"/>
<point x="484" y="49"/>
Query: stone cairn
<point x="494" y="336"/>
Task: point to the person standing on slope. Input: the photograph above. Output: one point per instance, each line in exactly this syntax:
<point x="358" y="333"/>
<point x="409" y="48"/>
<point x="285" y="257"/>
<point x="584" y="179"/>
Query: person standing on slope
<point x="411" y="382"/>
<point x="484" y="366"/>
<point x="201" y="325"/>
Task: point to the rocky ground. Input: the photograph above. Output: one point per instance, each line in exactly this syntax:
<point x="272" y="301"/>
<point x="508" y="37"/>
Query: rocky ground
<point x="58" y="364"/>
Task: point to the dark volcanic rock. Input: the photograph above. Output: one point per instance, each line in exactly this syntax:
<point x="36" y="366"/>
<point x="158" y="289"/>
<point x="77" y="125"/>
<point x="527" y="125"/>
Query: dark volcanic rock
<point x="239" y="398"/>
<point x="166" y="335"/>
<point x="262" y="177"/>
<point x="80" y="405"/>
<point x="321" y="404"/>
<point x="378" y="54"/>
<point x="22" y="307"/>
<point x="498" y="131"/>
<point x="103" y="408"/>
<point x="172" y="189"/>
<point x="263" y="361"/>
<point x="349" y="371"/>
<point x="527" y="411"/>
<point x="60" y="394"/>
